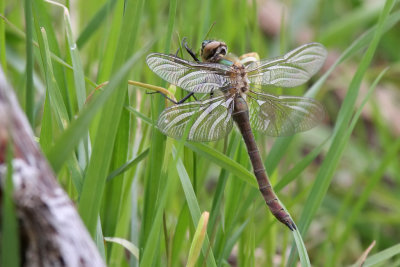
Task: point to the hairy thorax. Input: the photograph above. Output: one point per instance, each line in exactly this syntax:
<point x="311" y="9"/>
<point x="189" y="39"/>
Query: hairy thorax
<point x="239" y="80"/>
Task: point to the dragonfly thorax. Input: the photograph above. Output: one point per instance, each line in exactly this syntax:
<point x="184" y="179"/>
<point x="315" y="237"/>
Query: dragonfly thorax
<point x="239" y="81"/>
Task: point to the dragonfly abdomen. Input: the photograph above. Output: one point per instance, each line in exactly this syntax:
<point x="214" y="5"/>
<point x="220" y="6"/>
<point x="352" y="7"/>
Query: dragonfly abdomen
<point x="241" y="117"/>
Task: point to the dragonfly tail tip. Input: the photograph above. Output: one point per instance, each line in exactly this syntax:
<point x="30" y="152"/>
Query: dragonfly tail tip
<point x="291" y="225"/>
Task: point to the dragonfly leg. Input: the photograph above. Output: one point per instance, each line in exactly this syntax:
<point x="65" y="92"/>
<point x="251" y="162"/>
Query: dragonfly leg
<point x="173" y="101"/>
<point x="177" y="51"/>
<point x="179" y="48"/>
<point x="191" y="53"/>
<point x="186" y="98"/>
<point x="185" y="45"/>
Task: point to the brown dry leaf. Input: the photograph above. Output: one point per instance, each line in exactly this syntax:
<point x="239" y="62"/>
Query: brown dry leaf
<point x="364" y="256"/>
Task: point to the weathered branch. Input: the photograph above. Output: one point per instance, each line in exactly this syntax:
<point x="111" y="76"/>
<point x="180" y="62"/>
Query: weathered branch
<point x="54" y="231"/>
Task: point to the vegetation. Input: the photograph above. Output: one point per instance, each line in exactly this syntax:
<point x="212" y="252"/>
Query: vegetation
<point x="339" y="181"/>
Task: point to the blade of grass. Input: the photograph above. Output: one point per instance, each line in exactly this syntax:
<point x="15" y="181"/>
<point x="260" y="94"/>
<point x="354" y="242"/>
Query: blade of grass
<point x="99" y="164"/>
<point x="301" y="249"/>
<point x="140" y="115"/>
<point x="341" y="126"/>
<point x="390" y="155"/>
<point x="193" y="205"/>
<point x="46" y="131"/>
<point x="126" y="244"/>
<point x="361" y="200"/>
<point x="219" y="192"/>
<point x="10" y="254"/>
<point x="128" y="165"/>
<point x="79" y="78"/>
<point x="223" y="161"/>
<point x="348" y="23"/>
<point x="198" y="239"/>
<point x="56" y="104"/>
<point x="247" y="244"/>
<point x="148" y="255"/>
<point x="115" y="188"/>
<point x="233" y="240"/>
<point x="110" y="41"/>
<point x="235" y="193"/>
<point x="382" y="256"/>
<point x="299" y="167"/>
<point x="126" y="216"/>
<point x="154" y="188"/>
<point x="282" y="143"/>
<point x="56" y="100"/>
<point x="328" y="166"/>
<point x="43" y="20"/>
<point x="170" y="183"/>
<point x="95" y="23"/>
<point x="78" y="128"/>
<point x="30" y="92"/>
<point x="3" y="59"/>
<point x="54" y="57"/>
<point x="79" y="89"/>
<point x="179" y="236"/>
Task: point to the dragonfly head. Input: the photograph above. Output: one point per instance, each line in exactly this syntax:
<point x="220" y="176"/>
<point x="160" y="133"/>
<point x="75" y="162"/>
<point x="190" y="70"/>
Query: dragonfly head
<point x="213" y="51"/>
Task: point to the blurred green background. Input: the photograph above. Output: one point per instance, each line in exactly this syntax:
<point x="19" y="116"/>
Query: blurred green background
<point x="339" y="181"/>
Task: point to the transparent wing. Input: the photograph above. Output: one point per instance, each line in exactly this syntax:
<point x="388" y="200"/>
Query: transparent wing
<point x="283" y="115"/>
<point x="191" y="76"/>
<point x="209" y="120"/>
<point x="289" y="70"/>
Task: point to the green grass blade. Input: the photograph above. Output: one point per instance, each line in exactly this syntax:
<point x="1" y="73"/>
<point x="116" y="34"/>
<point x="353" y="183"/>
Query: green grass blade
<point x="219" y="192"/>
<point x="328" y="166"/>
<point x="131" y="163"/>
<point x="99" y="164"/>
<point x="10" y="254"/>
<point x="233" y="239"/>
<point x="373" y="181"/>
<point x="223" y="161"/>
<point x="325" y="174"/>
<point x="76" y="131"/>
<point x="198" y="240"/>
<point x="43" y="20"/>
<point x="348" y="23"/>
<point x="148" y="255"/>
<point x="126" y="244"/>
<point x="382" y="256"/>
<point x="179" y="236"/>
<point x="3" y="59"/>
<point x="46" y="131"/>
<point x="194" y="207"/>
<point x="282" y="143"/>
<point x="140" y="115"/>
<point x="55" y="97"/>
<point x="152" y="197"/>
<point x="276" y="153"/>
<point x="95" y="22"/>
<point x="299" y="167"/>
<point x="30" y="92"/>
<point x="156" y="158"/>
<point x="301" y="249"/>
<point x="79" y="78"/>
<point x="375" y="177"/>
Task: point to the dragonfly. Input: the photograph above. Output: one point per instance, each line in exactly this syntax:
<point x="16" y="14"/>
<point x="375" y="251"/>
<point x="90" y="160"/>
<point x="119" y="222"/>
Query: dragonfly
<point x="237" y="95"/>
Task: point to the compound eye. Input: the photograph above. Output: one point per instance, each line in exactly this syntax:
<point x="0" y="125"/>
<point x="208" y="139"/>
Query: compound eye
<point x="204" y="43"/>
<point x="223" y="51"/>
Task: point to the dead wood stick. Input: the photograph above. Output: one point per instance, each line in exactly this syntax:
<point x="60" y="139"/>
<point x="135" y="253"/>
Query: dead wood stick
<point x="55" y="234"/>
